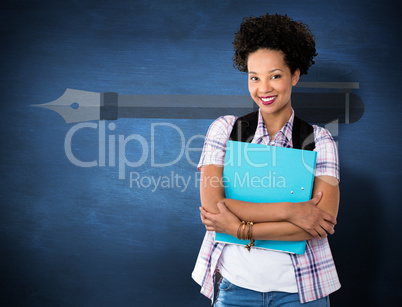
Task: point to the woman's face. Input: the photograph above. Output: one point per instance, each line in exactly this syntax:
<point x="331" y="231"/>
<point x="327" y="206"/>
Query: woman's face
<point x="270" y="81"/>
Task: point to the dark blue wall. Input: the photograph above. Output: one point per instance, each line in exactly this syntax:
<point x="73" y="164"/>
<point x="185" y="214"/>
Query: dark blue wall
<point x="74" y="236"/>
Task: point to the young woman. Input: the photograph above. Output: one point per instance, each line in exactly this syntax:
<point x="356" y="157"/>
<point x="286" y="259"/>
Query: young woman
<point x="275" y="51"/>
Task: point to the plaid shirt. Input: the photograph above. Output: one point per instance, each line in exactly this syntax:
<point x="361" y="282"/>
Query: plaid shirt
<point x="315" y="271"/>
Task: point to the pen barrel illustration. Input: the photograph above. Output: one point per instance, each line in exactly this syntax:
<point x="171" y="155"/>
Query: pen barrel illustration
<point x="313" y="107"/>
<point x="320" y="108"/>
<point x="109" y="106"/>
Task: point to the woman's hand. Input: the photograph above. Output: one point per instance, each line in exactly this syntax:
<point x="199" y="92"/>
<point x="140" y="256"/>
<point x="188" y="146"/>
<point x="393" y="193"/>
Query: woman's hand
<point x="315" y="221"/>
<point x="223" y="222"/>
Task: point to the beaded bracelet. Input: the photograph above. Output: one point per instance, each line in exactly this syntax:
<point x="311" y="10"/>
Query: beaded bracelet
<point x="246" y="235"/>
<point x="250" y="236"/>
<point x="240" y="230"/>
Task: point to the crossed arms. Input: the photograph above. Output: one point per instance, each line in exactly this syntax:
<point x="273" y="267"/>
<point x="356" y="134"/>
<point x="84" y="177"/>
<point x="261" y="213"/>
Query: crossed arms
<point x="284" y="221"/>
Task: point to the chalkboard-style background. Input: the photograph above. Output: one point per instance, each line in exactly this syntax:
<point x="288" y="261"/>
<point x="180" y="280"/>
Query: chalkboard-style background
<point x="84" y="220"/>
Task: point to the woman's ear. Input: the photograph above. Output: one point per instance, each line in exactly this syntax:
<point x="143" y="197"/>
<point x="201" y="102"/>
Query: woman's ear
<point x="295" y="77"/>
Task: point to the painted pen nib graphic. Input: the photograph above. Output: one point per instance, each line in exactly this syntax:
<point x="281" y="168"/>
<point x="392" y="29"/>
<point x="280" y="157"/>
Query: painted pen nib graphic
<point x="76" y="106"/>
<point x="319" y="107"/>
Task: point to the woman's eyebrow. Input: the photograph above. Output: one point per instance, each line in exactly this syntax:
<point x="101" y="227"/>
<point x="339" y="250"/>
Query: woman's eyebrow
<point x="271" y="71"/>
<point x="275" y="69"/>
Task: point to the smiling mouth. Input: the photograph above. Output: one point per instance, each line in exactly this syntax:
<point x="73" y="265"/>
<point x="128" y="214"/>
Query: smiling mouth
<point x="267" y="100"/>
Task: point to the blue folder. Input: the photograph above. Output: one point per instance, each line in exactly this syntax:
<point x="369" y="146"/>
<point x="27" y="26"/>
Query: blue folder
<point x="262" y="173"/>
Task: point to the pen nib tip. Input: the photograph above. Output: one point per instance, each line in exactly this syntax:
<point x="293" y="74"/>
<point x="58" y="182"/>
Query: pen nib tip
<point x="75" y="106"/>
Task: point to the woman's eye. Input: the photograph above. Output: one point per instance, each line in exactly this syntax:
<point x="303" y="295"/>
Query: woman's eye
<point x="254" y="79"/>
<point x="275" y="76"/>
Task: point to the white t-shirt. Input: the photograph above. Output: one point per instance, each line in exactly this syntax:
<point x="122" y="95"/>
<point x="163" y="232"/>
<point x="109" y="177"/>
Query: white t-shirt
<point x="260" y="269"/>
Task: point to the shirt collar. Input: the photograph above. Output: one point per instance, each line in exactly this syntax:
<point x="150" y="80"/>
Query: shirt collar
<point x="286" y="130"/>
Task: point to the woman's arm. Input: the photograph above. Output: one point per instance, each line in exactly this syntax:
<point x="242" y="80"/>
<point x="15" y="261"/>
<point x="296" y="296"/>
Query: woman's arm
<point x="226" y="222"/>
<point x="308" y="215"/>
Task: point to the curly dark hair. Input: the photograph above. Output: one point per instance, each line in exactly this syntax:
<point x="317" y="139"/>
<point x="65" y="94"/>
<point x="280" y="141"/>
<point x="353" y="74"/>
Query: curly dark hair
<point x="275" y="32"/>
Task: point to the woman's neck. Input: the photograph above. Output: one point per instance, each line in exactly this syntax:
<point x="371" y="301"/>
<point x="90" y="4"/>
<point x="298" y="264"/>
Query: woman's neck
<point x="275" y="121"/>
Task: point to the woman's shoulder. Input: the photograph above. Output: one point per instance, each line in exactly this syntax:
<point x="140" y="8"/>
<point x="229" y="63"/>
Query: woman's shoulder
<point x="221" y="127"/>
<point x="225" y="120"/>
<point x="323" y="140"/>
<point x="222" y="124"/>
<point x="321" y="133"/>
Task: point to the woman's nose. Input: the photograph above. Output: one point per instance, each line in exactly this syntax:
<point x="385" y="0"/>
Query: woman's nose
<point x="265" y="87"/>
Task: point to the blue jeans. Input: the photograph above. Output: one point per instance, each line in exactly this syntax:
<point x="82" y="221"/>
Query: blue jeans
<point x="232" y="295"/>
